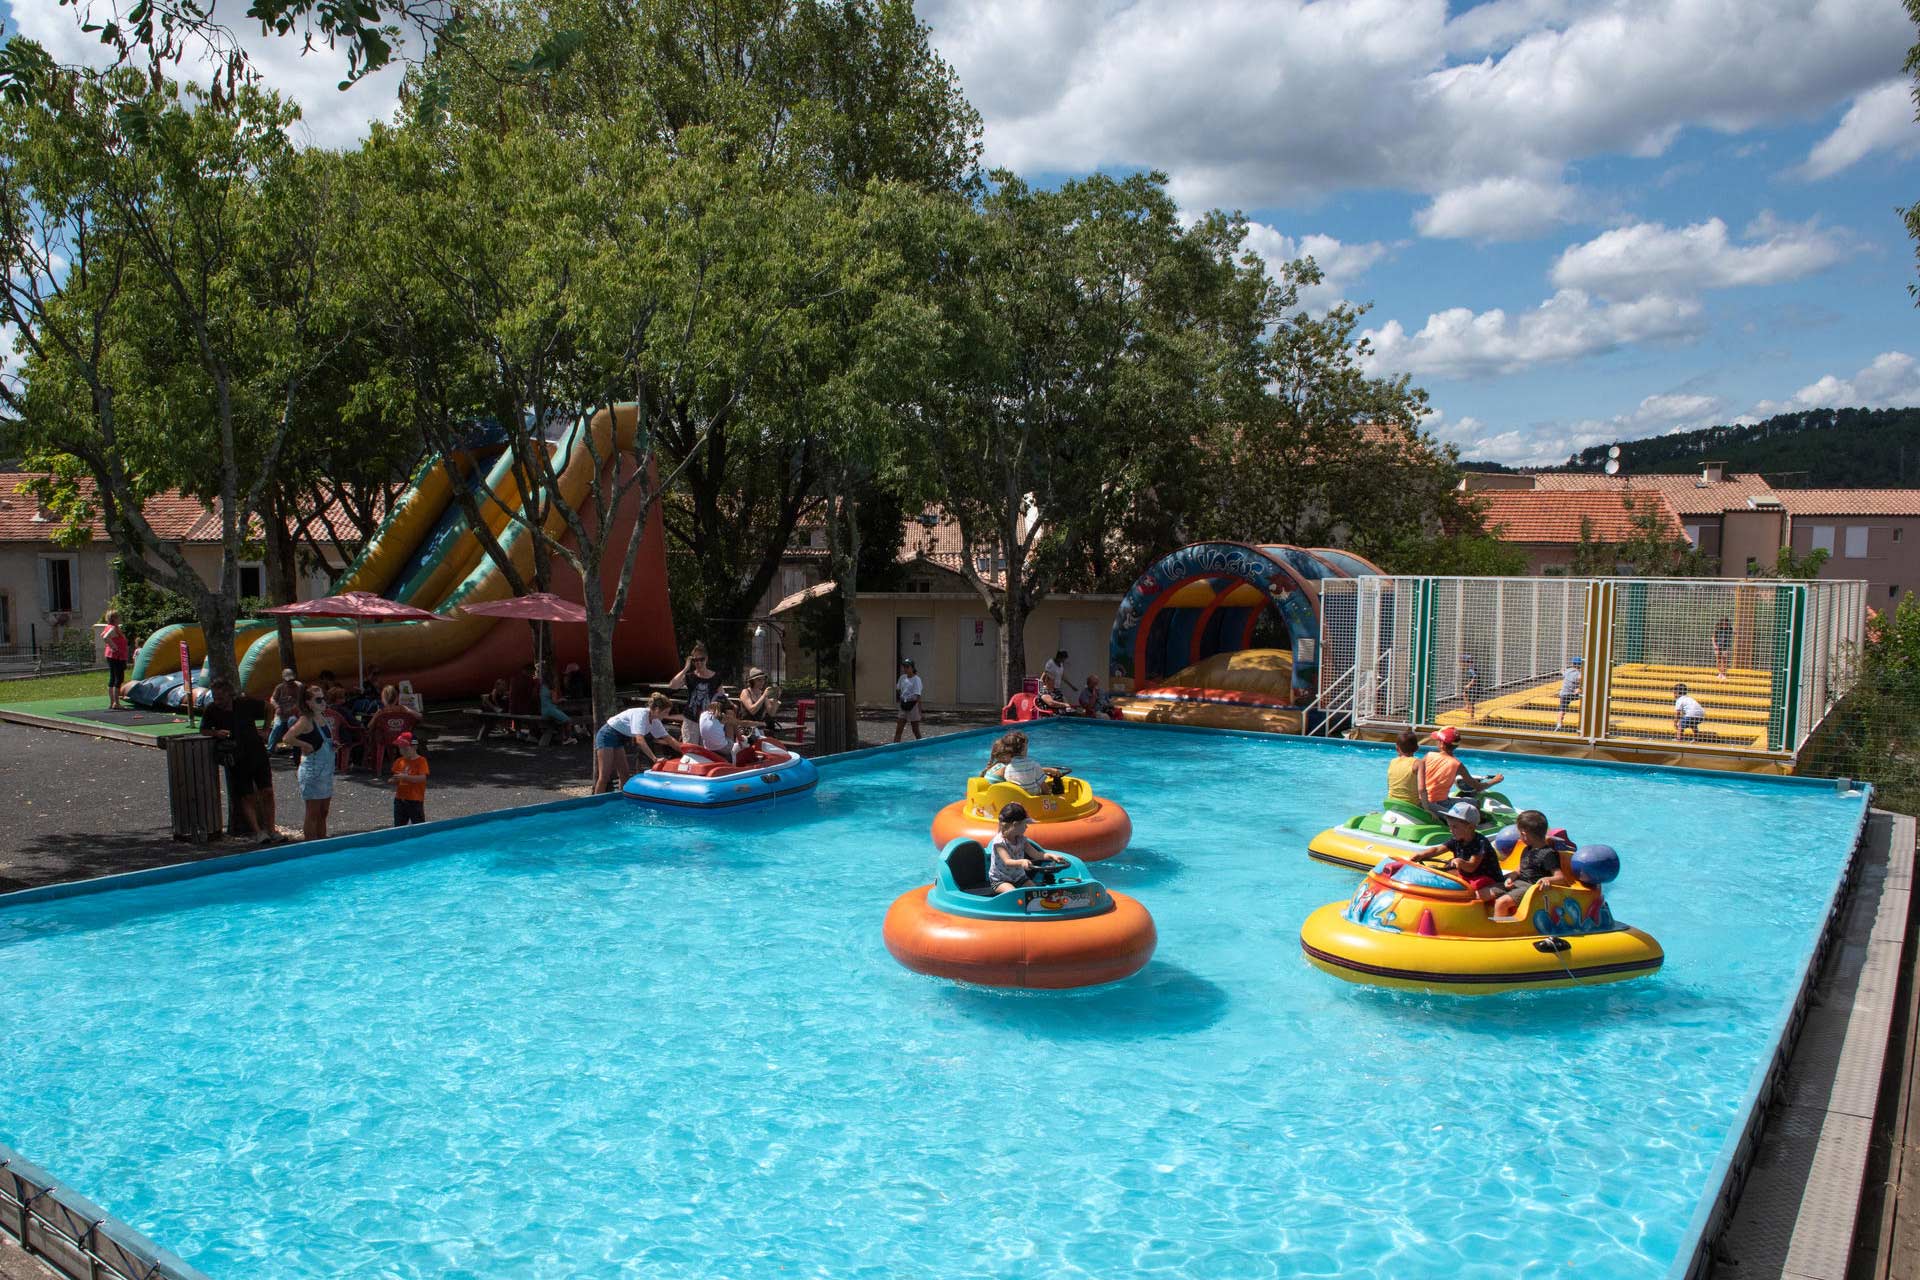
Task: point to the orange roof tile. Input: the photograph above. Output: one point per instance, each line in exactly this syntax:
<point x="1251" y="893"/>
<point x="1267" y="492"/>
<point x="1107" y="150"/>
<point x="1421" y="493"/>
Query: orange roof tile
<point x="1537" y="516"/>
<point x="1850" y="502"/>
<point x="1687" y="494"/>
<point x="175" y="517"/>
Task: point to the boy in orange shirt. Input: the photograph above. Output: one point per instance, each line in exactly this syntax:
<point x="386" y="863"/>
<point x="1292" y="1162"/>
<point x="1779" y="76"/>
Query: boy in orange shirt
<point x="409" y="783"/>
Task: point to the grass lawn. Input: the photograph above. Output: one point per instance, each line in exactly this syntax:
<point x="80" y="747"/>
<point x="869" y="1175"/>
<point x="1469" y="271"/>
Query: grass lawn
<point x="74" y="684"/>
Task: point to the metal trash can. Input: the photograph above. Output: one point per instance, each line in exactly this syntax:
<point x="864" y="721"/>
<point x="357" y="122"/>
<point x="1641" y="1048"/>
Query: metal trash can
<point x="193" y="788"/>
<point x="830" y="710"/>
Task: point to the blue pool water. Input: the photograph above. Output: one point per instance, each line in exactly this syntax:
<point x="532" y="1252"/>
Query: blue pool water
<point x="611" y="1041"/>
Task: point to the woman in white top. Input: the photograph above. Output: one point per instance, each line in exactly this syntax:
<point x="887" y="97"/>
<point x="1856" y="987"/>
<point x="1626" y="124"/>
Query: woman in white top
<point x="643" y="727"/>
<point x="907" y="691"/>
<point x="1056" y="666"/>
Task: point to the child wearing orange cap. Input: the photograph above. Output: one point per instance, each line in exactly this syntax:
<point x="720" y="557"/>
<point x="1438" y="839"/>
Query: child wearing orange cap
<point x="1444" y="770"/>
<point x="409" y="779"/>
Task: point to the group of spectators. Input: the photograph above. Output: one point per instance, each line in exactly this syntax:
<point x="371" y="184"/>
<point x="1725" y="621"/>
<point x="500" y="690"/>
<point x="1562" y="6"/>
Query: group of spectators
<point x="528" y="695"/>
<point x="322" y="723"/>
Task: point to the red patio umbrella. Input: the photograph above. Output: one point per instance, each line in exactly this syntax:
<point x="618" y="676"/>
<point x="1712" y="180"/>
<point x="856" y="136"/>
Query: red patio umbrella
<point x="360" y="606"/>
<point x="537" y="606"/>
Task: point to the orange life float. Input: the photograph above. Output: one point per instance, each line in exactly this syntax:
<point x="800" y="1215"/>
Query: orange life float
<point x="1077" y="822"/>
<point x="1073" y="933"/>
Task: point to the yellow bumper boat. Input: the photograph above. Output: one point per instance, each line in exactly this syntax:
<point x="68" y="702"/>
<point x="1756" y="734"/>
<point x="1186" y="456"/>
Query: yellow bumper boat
<point x="1075" y="821"/>
<point x="1417" y="928"/>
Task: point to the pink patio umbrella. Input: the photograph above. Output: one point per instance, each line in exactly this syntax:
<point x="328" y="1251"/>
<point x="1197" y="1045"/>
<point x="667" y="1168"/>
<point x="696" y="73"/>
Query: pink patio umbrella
<point x="537" y="606"/>
<point x="360" y="606"/>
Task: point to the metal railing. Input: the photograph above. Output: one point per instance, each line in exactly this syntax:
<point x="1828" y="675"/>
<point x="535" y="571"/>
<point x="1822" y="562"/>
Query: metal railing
<point x="75" y="1237"/>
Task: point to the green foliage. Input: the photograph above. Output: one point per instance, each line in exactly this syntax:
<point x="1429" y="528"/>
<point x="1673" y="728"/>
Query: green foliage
<point x="145" y="608"/>
<point x="1466" y="554"/>
<point x="1652" y="549"/>
<point x="1874" y="734"/>
<point x="76" y="684"/>
<point x="1814" y="448"/>
<point x="1796" y="568"/>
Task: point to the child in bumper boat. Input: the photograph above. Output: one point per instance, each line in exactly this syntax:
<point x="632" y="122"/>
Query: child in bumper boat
<point x="1009" y="762"/>
<point x="1474" y="859"/>
<point x="1012" y="859"/>
<point x="1542" y="860"/>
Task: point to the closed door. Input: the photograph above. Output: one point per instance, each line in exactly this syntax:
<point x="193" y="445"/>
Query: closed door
<point x="916" y="642"/>
<point x="979" y="645"/>
<point x="1086" y="644"/>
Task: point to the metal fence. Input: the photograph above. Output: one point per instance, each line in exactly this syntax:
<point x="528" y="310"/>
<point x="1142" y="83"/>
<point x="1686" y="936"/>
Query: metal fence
<point x="1737" y="665"/>
<point x="72" y="1235"/>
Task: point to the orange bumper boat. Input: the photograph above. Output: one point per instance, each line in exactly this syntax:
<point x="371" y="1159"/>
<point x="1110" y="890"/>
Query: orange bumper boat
<point x="1075" y="822"/>
<point x="1070" y="931"/>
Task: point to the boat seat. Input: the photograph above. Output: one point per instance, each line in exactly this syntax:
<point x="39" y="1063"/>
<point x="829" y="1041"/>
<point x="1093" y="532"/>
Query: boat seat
<point x="968" y="863"/>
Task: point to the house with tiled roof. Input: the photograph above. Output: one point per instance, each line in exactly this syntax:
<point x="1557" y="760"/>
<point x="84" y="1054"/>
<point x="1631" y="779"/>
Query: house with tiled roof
<point x="938" y="619"/>
<point x="1741" y="521"/>
<point x="1550" y="526"/>
<point x="49" y="590"/>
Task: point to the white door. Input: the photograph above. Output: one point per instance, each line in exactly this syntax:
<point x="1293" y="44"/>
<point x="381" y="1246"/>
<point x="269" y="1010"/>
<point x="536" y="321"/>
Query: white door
<point x="916" y="642"/>
<point x="1086" y="644"/>
<point x="979" y="647"/>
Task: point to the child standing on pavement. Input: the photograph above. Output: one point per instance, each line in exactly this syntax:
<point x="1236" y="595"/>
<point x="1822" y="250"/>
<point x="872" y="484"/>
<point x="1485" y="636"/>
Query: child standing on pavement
<point x="409" y="783"/>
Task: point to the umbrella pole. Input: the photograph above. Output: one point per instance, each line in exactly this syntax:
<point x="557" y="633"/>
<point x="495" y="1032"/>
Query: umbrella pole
<point x="360" y="653"/>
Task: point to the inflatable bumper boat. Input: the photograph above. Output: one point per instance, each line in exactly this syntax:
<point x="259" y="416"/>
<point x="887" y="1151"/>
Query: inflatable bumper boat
<point x="1075" y="822"/>
<point x="1399" y="830"/>
<point x="1064" y="930"/>
<point x="1418" y="928"/>
<point x="702" y="779"/>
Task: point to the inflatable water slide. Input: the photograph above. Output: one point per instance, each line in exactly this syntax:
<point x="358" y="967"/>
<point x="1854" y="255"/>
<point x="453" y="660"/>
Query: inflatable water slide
<point x="426" y="553"/>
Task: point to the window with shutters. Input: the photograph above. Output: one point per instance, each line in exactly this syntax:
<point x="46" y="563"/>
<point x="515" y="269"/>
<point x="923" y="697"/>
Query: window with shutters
<point x="59" y="584"/>
<point x="1823" y="538"/>
<point x="1856" y="541"/>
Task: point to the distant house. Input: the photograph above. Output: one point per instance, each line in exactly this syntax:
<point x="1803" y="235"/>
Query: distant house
<point x="1742" y="521"/>
<point x="940" y="621"/>
<point x="1549" y="527"/>
<point x="47" y="591"/>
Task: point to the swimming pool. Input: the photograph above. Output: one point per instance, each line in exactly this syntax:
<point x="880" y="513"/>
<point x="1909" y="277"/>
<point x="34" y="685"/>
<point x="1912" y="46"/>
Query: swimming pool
<point x="620" y="1041"/>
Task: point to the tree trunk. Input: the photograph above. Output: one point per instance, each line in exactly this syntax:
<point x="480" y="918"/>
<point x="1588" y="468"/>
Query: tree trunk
<point x="216" y="615"/>
<point x="282" y="584"/>
<point x="843" y="551"/>
<point x="600" y="626"/>
<point x="1013" y="646"/>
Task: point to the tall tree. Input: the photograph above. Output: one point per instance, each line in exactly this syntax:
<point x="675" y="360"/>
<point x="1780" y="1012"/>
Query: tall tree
<point x="822" y="97"/>
<point x="1088" y="331"/>
<point x="165" y="278"/>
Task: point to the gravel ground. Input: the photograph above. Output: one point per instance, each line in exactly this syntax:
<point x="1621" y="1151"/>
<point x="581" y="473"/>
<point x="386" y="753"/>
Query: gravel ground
<point x="79" y="806"/>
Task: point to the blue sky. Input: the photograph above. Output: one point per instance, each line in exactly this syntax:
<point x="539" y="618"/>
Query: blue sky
<point x="1573" y="220"/>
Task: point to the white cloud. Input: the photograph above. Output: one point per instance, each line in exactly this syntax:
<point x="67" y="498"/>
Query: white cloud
<point x="1496" y="209"/>
<point x="1650" y="257"/>
<point x="1891" y="381"/>
<point x="330" y="117"/>
<point x="1460" y="343"/>
<point x="1266" y="103"/>
<point x="1341" y="264"/>
<point x="1881" y="119"/>
<point x="1551" y="443"/>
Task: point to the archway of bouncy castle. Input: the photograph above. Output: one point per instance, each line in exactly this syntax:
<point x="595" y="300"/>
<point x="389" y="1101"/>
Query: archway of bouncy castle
<point x="1185" y="633"/>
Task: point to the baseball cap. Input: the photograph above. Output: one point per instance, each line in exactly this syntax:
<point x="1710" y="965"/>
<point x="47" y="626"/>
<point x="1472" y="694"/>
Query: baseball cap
<point x="1464" y="812"/>
<point x="404" y="740"/>
<point x="1578" y="662"/>
<point x="1448" y="735"/>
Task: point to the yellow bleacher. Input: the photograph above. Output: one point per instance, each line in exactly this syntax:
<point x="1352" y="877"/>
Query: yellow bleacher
<point x="1641" y="704"/>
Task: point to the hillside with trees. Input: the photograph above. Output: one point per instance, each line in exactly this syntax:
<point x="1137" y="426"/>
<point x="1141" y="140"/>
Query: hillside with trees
<point x="1817" y="448"/>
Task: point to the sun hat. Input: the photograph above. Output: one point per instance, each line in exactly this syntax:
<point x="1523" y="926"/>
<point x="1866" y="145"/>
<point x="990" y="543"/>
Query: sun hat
<point x="755" y="673"/>
<point x="1464" y="812"/>
<point x="1448" y="735"/>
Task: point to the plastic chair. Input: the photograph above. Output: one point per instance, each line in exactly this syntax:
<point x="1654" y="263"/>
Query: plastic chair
<point x="1019" y="708"/>
<point x="382" y="730"/>
<point x="346" y="739"/>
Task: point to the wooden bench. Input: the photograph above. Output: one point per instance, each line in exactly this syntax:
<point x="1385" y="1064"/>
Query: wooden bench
<point x="488" y="720"/>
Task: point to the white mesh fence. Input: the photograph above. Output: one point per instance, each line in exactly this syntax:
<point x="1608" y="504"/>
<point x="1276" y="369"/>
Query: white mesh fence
<point x="1734" y="664"/>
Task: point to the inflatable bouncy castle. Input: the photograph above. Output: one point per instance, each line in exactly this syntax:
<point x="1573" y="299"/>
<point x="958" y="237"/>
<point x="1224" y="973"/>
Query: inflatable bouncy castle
<point x="1225" y="634"/>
